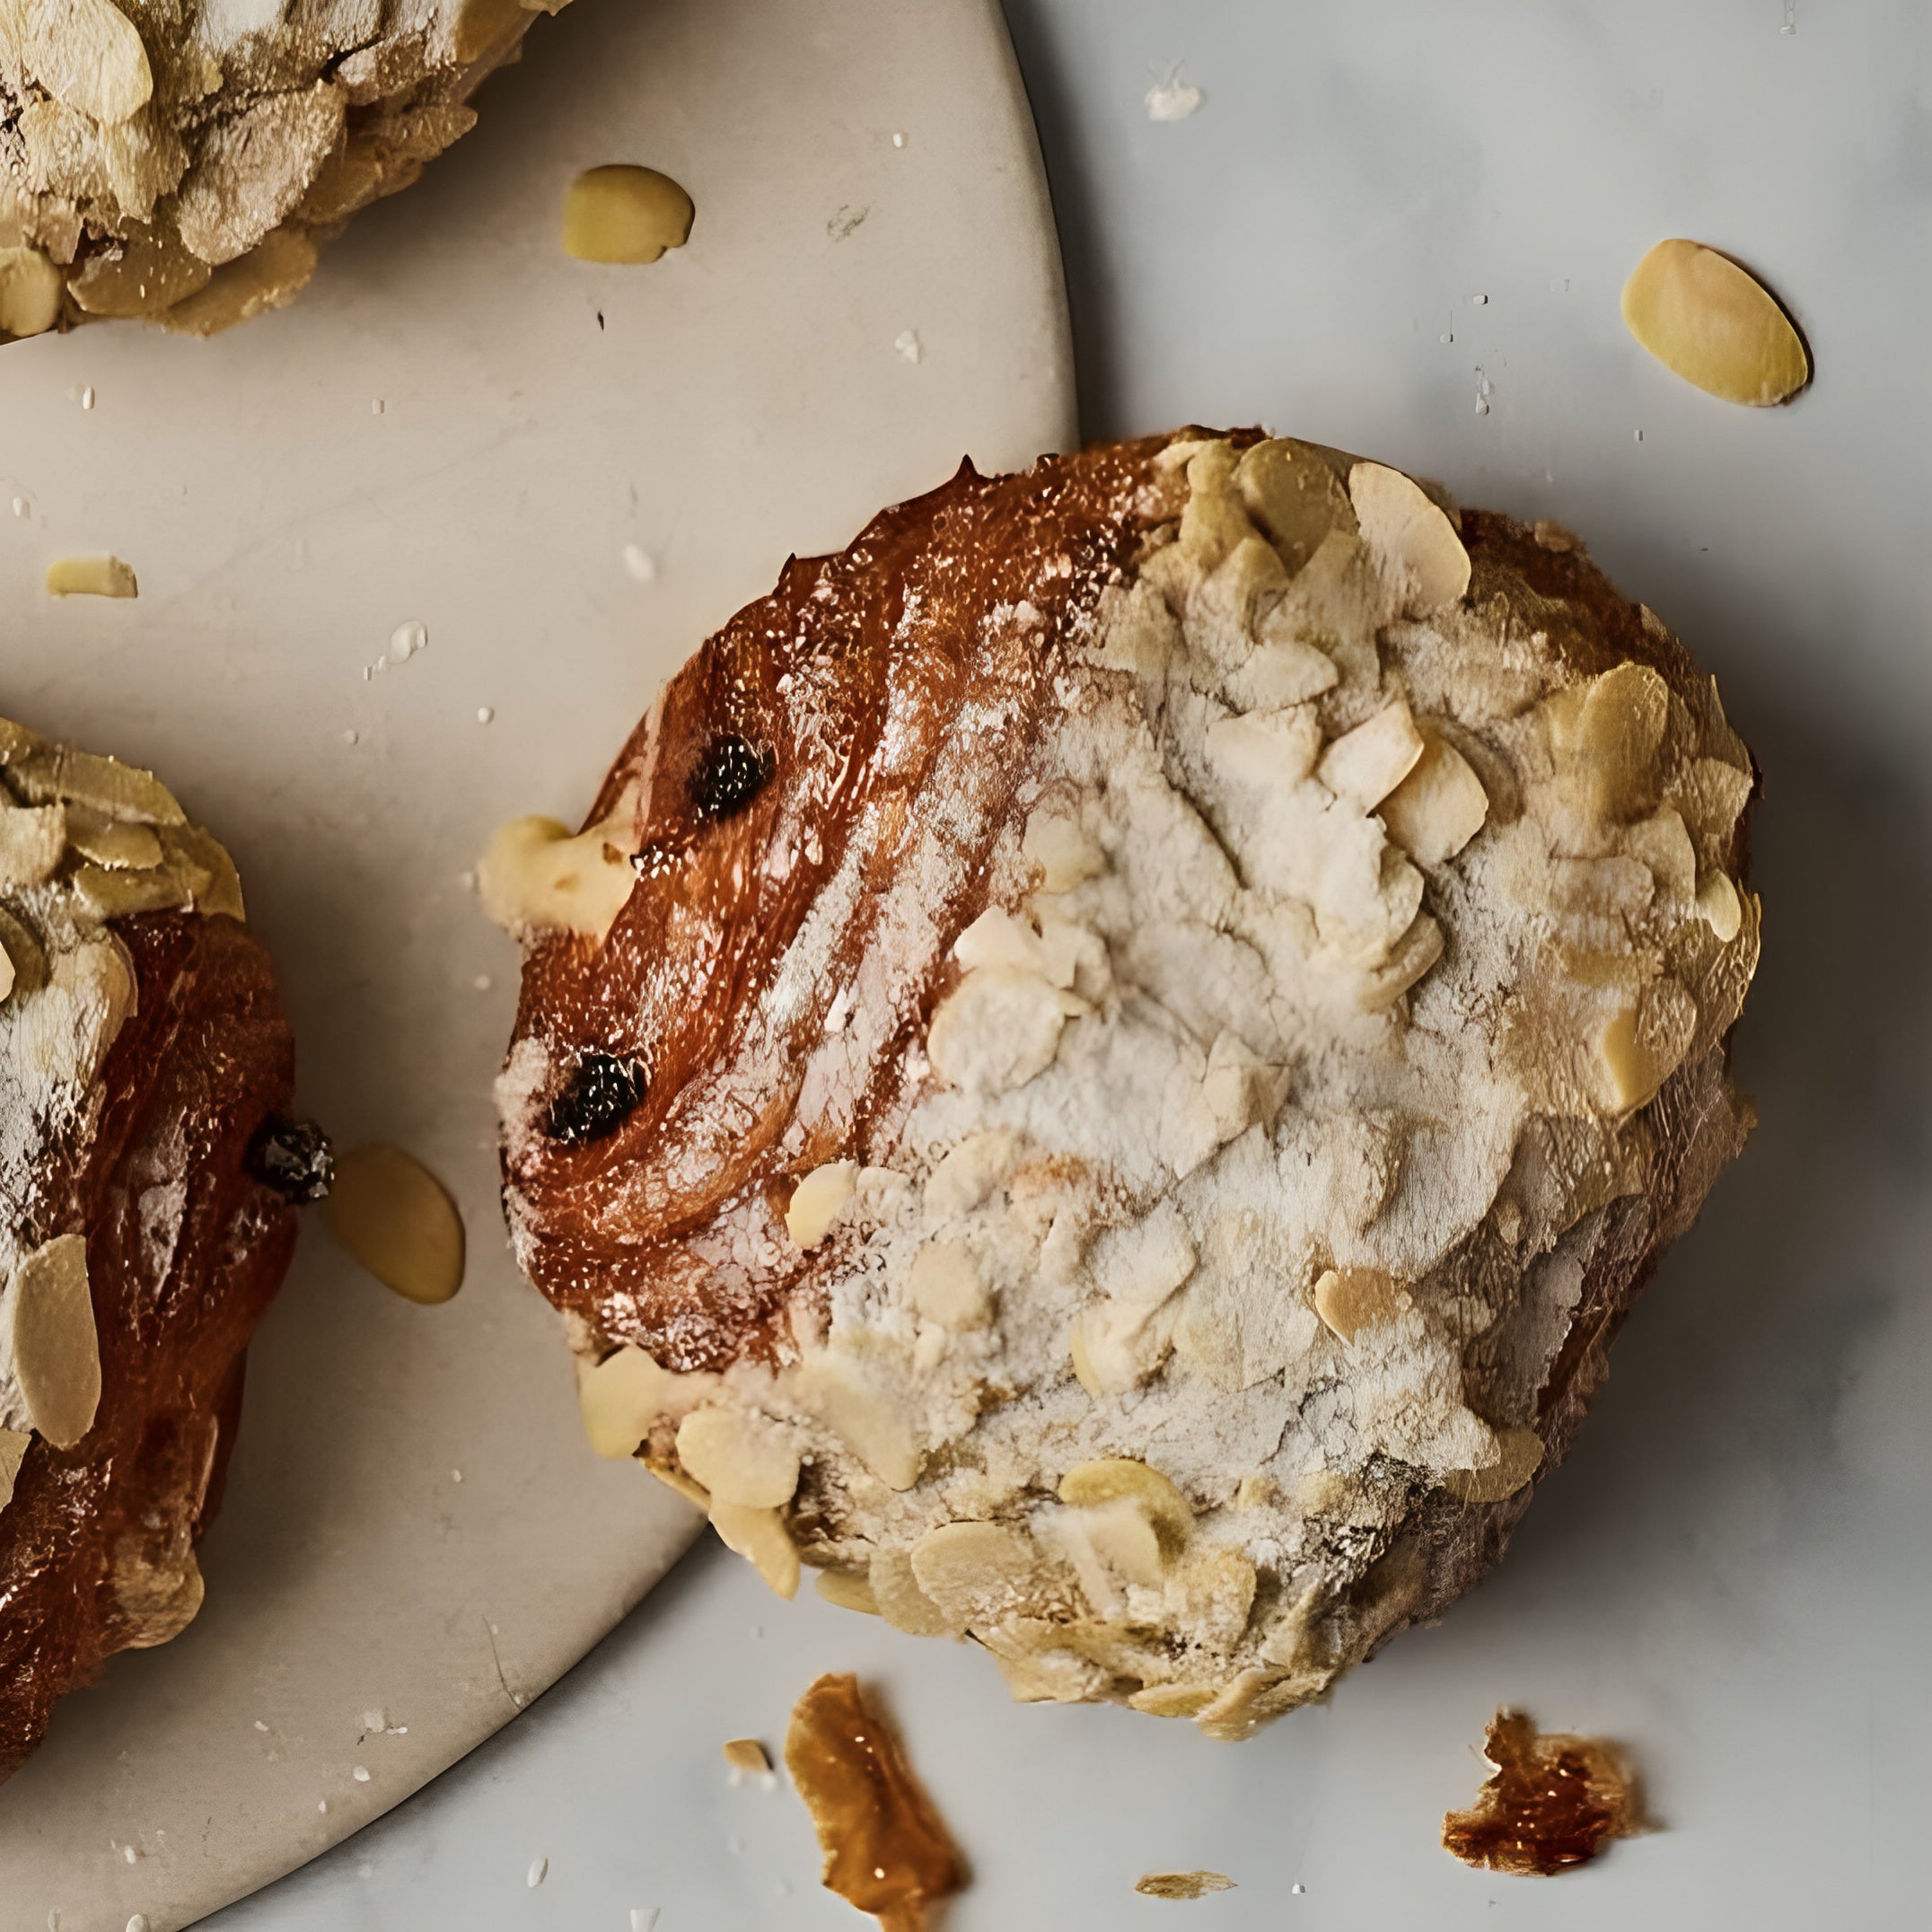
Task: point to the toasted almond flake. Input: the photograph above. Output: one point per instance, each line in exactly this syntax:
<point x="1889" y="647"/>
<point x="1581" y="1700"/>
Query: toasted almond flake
<point x="625" y="214"/>
<point x="1408" y="531"/>
<point x="847" y="1590"/>
<point x="390" y="1213"/>
<point x="91" y="576"/>
<point x="1350" y="1299"/>
<point x="1118" y="1479"/>
<point x="1710" y="321"/>
<point x="50" y="1336"/>
<point x="746" y="1754"/>
<point x="33" y="840"/>
<point x="14" y="1444"/>
<point x="761" y="1536"/>
<point x="1182" y="1884"/>
<point x="818" y="1201"/>
<point x="86" y="53"/>
<point x="1519" y="1455"/>
<point x="740" y="1457"/>
<point x="537" y="876"/>
<point x="1439" y="807"/>
<point x="30" y="293"/>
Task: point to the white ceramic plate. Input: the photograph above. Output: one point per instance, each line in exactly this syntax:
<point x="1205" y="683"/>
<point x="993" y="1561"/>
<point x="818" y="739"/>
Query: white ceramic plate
<point x="458" y="427"/>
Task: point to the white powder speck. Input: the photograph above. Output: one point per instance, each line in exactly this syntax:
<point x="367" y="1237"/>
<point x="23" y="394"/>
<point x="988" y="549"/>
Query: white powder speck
<point x="1172" y="98"/>
<point x="406" y="640"/>
<point x="482" y="983"/>
<point x="365" y="1871"/>
<point x="259" y="1725"/>
<point x="22" y="507"/>
<point x="139" y="1923"/>
<point x="456" y="1475"/>
<point x="129" y="1853"/>
<point x="758" y="1632"/>
<point x="1637" y="436"/>
<point x="1446" y="337"/>
<point x="539" y="1869"/>
<point x="53" y="1920"/>
<point x="467" y="880"/>
<point x="87" y="397"/>
<point x="906" y="343"/>
<point x="321" y="1804"/>
<point x="376" y="406"/>
<point x="639" y="564"/>
<point x="643" y="1918"/>
<point x="1479" y="301"/>
<point x="899" y="140"/>
<point x="1559" y="284"/>
<point x="373" y="1720"/>
<point x="1299" y="1890"/>
<point x="360" y="1774"/>
<point x="486" y="714"/>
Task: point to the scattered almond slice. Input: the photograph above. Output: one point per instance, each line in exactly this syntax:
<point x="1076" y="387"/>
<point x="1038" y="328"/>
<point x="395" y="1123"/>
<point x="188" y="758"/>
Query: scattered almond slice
<point x="51" y="1335"/>
<point x="1439" y="807"/>
<point x="391" y="1215"/>
<point x="1711" y="322"/>
<point x="886" y="1850"/>
<point x="848" y="1590"/>
<point x="30" y="293"/>
<point x="33" y="840"/>
<point x="739" y="1457"/>
<point x="1182" y="1884"/>
<point x="1519" y="1455"/>
<point x="1403" y="527"/>
<point x="88" y="54"/>
<point x="536" y="875"/>
<point x="91" y="576"/>
<point x="746" y="1754"/>
<point x="14" y="1447"/>
<point x="622" y="214"/>
<point x="1350" y="1299"/>
<point x="761" y="1538"/>
<point x="1122" y="1479"/>
<point x="818" y="1201"/>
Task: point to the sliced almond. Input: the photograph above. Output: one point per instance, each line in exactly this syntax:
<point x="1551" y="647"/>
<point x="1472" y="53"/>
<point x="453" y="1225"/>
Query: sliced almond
<point x="536" y="876"/>
<point x="740" y="1457"/>
<point x="1181" y="1884"/>
<point x="1642" y="1045"/>
<point x="1711" y="322"/>
<point x="46" y="772"/>
<point x="30" y="293"/>
<point x="622" y="214"/>
<point x="147" y="274"/>
<point x="997" y="1029"/>
<point x="33" y="840"/>
<point x="113" y="842"/>
<point x="391" y="1215"/>
<point x="1721" y="907"/>
<point x="818" y="1201"/>
<point x="1439" y="807"/>
<point x="1116" y="1478"/>
<point x="1519" y="1455"/>
<point x="91" y="576"/>
<point x="1120" y="1535"/>
<point x="761" y="1538"/>
<point x="14" y="1447"/>
<point x="49" y="1317"/>
<point x="848" y="1590"/>
<point x="1364" y="765"/>
<point x="1067" y="856"/>
<point x="110" y="893"/>
<point x="1409" y="536"/>
<point x="974" y="1571"/>
<point x="862" y="1404"/>
<point x="895" y="1589"/>
<point x="270" y="276"/>
<point x="944" y="1285"/>
<point x="746" y="1754"/>
<point x="86" y="53"/>
<point x="1294" y="497"/>
<point x="1351" y="1299"/>
<point x="625" y="1394"/>
<point x="1173" y="1701"/>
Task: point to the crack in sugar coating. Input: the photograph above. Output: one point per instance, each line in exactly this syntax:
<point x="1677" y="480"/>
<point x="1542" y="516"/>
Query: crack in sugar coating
<point x="1157" y="1196"/>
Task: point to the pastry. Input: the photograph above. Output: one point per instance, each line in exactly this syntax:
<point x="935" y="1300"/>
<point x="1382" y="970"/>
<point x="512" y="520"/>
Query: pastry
<point x="1108" y="1063"/>
<point x="147" y="1168"/>
<point x="181" y="163"/>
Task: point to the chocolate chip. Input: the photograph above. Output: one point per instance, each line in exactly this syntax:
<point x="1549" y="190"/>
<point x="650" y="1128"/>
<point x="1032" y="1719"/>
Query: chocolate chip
<point x="598" y="1100"/>
<point x="731" y="772"/>
<point x="294" y="1158"/>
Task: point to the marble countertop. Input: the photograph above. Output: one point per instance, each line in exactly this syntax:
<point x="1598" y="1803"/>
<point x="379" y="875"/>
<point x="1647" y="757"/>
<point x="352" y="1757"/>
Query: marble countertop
<point x="1401" y="226"/>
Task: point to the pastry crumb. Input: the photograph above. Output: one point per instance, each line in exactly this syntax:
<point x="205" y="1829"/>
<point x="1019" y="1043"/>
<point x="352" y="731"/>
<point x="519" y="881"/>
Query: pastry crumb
<point x="1551" y="1802"/>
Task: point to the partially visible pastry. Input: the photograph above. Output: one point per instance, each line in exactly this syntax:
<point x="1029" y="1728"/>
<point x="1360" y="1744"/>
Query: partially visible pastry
<point x="1107" y="1062"/>
<point x="181" y="163"/>
<point x="148" y="1166"/>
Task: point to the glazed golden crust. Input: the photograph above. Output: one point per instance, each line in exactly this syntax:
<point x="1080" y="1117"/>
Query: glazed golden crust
<point x="96" y="1545"/>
